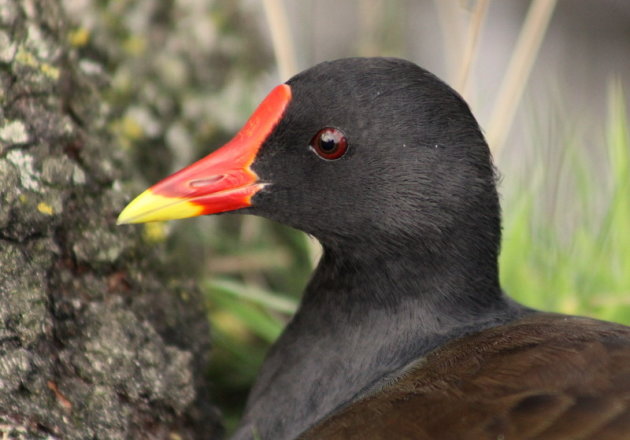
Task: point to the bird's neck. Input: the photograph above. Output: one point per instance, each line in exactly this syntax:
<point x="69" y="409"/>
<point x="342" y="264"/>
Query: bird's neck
<point x="362" y="320"/>
<point x="455" y="284"/>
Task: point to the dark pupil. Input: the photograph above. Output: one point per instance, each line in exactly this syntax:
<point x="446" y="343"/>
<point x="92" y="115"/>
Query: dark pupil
<point x="328" y="142"/>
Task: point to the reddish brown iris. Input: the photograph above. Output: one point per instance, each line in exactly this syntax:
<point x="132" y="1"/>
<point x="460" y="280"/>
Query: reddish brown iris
<point x="329" y="143"/>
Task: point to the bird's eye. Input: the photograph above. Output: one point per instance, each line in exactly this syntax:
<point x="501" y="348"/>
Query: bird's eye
<point x="329" y="143"/>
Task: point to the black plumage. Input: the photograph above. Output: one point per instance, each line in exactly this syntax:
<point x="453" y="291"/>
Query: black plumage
<point x="409" y="222"/>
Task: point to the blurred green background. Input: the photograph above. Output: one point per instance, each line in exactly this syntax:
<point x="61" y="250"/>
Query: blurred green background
<point x="548" y="81"/>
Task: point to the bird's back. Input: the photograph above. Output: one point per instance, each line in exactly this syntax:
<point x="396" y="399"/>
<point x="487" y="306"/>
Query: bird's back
<point x="544" y="376"/>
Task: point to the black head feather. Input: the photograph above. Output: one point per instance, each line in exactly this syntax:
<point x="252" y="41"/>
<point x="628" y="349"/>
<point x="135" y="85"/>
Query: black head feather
<point x="417" y="170"/>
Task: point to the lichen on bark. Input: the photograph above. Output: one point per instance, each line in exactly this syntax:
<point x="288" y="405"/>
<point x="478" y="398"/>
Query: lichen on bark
<point x="95" y="342"/>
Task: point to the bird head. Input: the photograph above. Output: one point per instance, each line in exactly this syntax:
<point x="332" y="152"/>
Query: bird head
<point x="354" y="151"/>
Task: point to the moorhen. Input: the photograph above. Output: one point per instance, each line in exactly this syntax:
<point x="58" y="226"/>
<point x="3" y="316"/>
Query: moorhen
<point x="403" y="331"/>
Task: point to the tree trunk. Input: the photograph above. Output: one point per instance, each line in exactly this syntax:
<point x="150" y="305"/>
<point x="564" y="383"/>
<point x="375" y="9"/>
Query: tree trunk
<point x="95" y="340"/>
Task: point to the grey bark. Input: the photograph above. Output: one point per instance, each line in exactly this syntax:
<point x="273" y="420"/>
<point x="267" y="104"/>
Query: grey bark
<point x="97" y="340"/>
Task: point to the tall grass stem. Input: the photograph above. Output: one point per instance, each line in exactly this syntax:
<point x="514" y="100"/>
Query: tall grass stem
<point x="519" y="68"/>
<point x="475" y="26"/>
<point x="284" y="52"/>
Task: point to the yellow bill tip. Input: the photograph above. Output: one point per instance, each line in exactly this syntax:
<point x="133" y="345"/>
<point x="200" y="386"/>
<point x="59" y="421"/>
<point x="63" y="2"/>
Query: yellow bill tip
<point x="150" y="207"/>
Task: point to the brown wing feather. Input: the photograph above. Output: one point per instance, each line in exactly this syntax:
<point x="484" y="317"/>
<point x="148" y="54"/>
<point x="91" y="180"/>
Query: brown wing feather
<point x="545" y="377"/>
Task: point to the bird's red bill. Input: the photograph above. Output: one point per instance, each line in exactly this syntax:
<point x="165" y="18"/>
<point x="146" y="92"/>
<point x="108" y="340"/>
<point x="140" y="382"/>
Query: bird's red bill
<point x="222" y="181"/>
